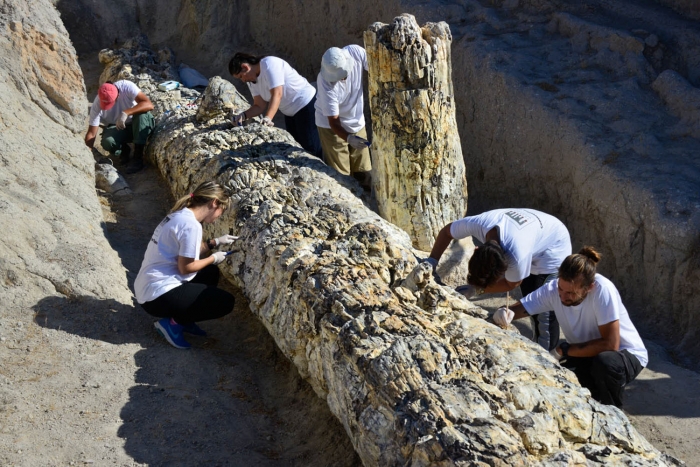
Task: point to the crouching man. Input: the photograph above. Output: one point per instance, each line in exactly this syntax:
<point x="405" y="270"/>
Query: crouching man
<point x="602" y="347"/>
<point x="126" y="113"/>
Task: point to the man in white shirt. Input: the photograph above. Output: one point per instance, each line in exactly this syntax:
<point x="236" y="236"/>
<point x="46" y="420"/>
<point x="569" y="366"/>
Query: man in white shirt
<point x="340" y="112"/>
<point x="275" y="85"/>
<point x="602" y="347"/>
<point x="126" y="112"/>
<point x="521" y="247"/>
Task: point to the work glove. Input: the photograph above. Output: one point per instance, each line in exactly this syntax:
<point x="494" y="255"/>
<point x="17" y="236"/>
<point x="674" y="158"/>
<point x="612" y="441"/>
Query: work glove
<point x="267" y="121"/>
<point x="219" y="256"/>
<point x="503" y="316"/>
<point x="357" y="142"/>
<point x="432" y="262"/>
<point x="469" y="291"/>
<point x="121" y="122"/>
<point x="555" y="354"/>
<point x="225" y="240"/>
<point x="238" y="119"/>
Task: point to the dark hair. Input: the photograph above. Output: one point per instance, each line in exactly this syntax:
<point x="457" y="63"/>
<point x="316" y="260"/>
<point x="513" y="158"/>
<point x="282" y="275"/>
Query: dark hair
<point x="580" y="267"/>
<point x="204" y="193"/>
<point x="234" y="66"/>
<point x="487" y="264"/>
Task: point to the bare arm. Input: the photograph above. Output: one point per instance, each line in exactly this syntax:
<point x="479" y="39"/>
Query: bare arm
<point x="143" y="105"/>
<point x="441" y="242"/>
<point x="337" y="128"/>
<point x="519" y="310"/>
<point x="90" y="136"/>
<point x="610" y="340"/>
<point x="258" y="107"/>
<point x="190" y="265"/>
<point x="275" y="99"/>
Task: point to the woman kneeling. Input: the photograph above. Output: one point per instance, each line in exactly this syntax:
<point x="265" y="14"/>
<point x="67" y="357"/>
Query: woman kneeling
<point x="174" y="283"/>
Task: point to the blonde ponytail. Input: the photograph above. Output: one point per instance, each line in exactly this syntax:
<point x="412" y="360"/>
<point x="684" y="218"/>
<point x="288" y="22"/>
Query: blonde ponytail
<point x="203" y="194"/>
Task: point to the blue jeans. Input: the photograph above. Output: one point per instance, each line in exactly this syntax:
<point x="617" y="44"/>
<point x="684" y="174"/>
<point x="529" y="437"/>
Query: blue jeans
<point x="545" y="326"/>
<point x="302" y="127"/>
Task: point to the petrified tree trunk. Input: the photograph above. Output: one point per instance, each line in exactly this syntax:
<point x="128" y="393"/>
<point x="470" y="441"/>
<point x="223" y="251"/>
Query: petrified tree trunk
<point x="413" y="371"/>
<point x="419" y="175"/>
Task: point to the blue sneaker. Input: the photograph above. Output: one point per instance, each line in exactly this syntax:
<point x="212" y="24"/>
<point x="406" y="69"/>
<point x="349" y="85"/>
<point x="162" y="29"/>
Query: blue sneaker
<point x="193" y="329"/>
<point x="172" y="333"/>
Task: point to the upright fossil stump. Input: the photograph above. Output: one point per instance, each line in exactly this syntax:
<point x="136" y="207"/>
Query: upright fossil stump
<point x="414" y="372"/>
<point x="419" y="175"/>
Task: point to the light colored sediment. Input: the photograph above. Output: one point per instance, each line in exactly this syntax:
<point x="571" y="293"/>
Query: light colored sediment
<point x="413" y="371"/>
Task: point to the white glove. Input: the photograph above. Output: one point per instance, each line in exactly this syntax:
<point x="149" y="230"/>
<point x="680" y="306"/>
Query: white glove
<point x="555" y="354"/>
<point x="432" y="262"/>
<point x="121" y="123"/>
<point x="503" y="316"/>
<point x="357" y="142"/>
<point x="225" y="240"/>
<point x="238" y="119"/>
<point x="219" y="257"/>
<point x="469" y="291"/>
<point x="267" y="121"/>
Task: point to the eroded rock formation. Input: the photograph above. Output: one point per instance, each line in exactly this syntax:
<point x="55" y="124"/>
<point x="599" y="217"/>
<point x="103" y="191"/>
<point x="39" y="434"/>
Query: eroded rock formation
<point x="414" y="372"/>
<point x="418" y="169"/>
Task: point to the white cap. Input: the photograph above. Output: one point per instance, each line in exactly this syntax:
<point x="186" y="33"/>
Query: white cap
<point x="335" y="64"/>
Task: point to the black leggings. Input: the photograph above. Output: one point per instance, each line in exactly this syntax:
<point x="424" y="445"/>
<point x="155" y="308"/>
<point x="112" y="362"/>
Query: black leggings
<point x="197" y="300"/>
<point x="606" y="374"/>
<point x="545" y="326"/>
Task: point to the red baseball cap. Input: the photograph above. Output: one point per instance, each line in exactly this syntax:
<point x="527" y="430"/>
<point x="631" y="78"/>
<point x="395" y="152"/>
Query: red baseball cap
<point x="108" y="96"/>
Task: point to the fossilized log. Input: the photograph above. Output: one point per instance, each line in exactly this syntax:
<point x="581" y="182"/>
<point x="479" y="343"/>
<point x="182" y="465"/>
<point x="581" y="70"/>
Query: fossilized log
<point x="415" y="373"/>
<point x="419" y="177"/>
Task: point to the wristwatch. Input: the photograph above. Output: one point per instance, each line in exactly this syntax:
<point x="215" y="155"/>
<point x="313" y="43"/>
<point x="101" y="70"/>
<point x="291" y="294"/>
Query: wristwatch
<point x="564" y="346"/>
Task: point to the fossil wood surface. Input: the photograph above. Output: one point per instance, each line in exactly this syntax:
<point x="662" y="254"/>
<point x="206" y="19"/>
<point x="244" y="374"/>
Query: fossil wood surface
<point x="419" y="176"/>
<point x="415" y="373"/>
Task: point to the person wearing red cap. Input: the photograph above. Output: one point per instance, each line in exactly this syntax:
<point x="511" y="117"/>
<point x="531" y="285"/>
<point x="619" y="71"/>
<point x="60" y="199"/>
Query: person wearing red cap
<point x="126" y="113"/>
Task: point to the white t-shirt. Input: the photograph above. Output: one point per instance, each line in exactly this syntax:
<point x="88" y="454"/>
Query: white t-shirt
<point x="343" y="98"/>
<point x="580" y="323"/>
<point x="125" y="100"/>
<point x="534" y="242"/>
<point x="179" y="234"/>
<point x="296" y="91"/>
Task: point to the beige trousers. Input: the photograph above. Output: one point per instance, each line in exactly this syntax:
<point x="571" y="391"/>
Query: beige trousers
<point x="341" y="156"/>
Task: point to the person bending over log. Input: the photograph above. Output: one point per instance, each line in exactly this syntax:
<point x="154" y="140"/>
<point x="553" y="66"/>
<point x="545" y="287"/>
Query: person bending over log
<point x="340" y="114"/>
<point x="275" y="85"/>
<point x="175" y="282"/>
<point x="602" y="347"/>
<point x="521" y="247"/>
<point x="126" y="113"/>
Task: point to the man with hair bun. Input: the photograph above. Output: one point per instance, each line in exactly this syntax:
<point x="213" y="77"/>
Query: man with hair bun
<point x="602" y="347"/>
<point x="521" y="247"/>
